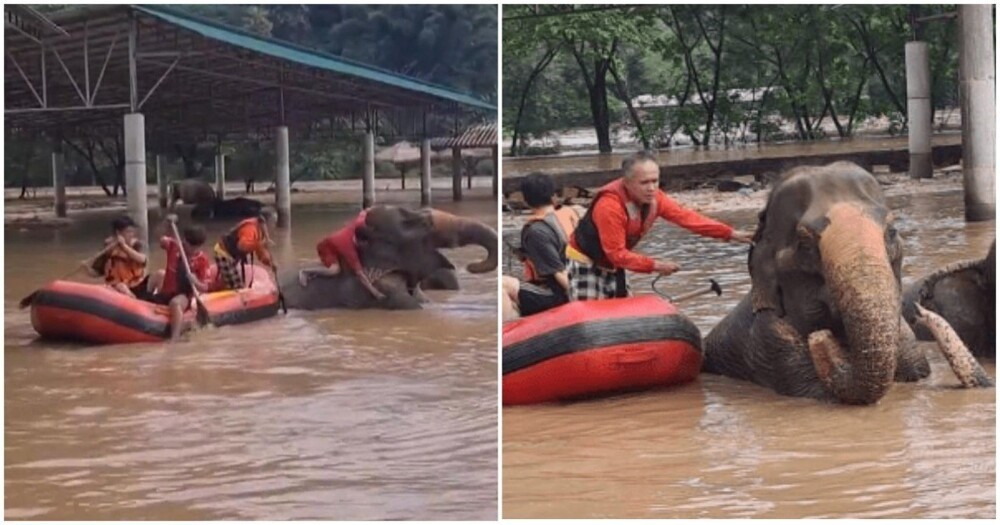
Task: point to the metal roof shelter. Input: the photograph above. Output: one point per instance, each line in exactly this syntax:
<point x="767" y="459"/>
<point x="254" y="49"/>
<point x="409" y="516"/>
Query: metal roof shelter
<point x="477" y="136"/>
<point x="190" y="78"/>
<point x="194" y="76"/>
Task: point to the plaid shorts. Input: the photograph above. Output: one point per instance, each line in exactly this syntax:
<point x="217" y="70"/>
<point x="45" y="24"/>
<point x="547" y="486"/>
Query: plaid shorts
<point x="590" y="283"/>
<point x="230" y="272"/>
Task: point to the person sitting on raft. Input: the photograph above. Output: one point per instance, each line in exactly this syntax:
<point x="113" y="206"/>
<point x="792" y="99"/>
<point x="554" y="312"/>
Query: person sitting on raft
<point x="122" y="263"/>
<point x="543" y="250"/>
<point x="174" y="285"/>
<point x="340" y="249"/>
<point x="620" y="215"/>
<point x="247" y="239"/>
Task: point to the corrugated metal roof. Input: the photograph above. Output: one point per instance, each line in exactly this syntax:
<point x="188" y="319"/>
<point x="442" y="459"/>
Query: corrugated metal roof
<point x="478" y="136"/>
<point x="307" y="57"/>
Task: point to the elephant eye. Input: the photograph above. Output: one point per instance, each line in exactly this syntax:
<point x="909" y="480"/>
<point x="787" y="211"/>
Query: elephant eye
<point x="891" y="232"/>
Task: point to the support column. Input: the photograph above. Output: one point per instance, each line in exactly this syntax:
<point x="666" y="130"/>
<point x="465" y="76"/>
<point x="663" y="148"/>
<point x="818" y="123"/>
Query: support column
<point x="425" y="172"/>
<point x="282" y="179"/>
<point x="58" y="181"/>
<point x="368" y="181"/>
<point x="161" y="186"/>
<point x="220" y="175"/>
<point x="977" y="83"/>
<point x="918" y="109"/>
<point x="456" y="174"/>
<point x="135" y="174"/>
<point x="496" y="172"/>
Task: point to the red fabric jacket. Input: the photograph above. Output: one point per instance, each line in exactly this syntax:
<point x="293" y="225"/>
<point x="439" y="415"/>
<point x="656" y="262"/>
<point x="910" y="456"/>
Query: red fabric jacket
<point x="200" y="265"/>
<point x="340" y="245"/>
<point x="620" y="230"/>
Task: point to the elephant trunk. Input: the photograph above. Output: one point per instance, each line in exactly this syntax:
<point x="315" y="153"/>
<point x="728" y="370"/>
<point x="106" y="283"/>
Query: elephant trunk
<point x="865" y="291"/>
<point x="451" y="231"/>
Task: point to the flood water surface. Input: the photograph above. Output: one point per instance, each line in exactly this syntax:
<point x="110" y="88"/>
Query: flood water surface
<point x="723" y="448"/>
<point x="320" y="415"/>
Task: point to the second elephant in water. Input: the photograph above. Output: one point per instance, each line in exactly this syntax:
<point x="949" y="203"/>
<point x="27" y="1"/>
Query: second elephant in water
<point x="964" y="294"/>
<point x="399" y="249"/>
<point x="822" y="318"/>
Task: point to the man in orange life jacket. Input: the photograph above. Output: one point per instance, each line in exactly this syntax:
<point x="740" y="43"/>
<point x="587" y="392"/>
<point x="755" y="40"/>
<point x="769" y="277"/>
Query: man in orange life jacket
<point x="543" y="247"/>
<point x="621" y="213"/>
<point x="234" y="249"/>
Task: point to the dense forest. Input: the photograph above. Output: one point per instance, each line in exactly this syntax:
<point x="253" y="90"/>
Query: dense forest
<point x="716" y="74"/>
<point x="449" y="45"/>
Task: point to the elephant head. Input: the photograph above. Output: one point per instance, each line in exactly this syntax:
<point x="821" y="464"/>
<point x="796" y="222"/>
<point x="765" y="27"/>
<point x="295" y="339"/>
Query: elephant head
<point x="399" y="250"/>
<point x="826" y="256"/>
<point x="394" y="226"/>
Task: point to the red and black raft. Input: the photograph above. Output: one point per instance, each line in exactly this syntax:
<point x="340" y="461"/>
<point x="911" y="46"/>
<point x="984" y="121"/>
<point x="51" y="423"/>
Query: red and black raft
<point x="589" y="348"/>
<point x="97" y="314"/>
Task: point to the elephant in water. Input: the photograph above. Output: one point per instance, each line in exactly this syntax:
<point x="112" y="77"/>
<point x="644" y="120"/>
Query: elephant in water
<point x="191" y="191"/>
<point x="964" y="294"/>
<point x="238" y="208"/>
<point x="399" y="250"/>
<point x="823" y="316"/>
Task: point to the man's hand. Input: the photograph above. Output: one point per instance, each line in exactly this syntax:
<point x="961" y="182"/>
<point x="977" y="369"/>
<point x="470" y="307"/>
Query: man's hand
<point x="741" y="236"/>
<point x="665" y="267"/>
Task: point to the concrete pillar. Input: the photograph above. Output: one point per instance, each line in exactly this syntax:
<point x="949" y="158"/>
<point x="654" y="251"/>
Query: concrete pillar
<point x="220" y="175"/>
<point x="135" y="174"/>
<point x="161" y="186"/>
<point x="496" y="172"/>
<point x="282" y="178"/>
<point x="918" y="109"/>
<point x="456" y="174"/>
<point x="368" y="182"/>
<point x="58" y="181"/>
<point x="977" y="82"/>
<point x="425" y="172"/>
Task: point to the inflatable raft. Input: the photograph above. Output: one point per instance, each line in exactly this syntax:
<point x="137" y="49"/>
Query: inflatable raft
<point x="96" y="314"/>
<point x="588" y="348"/>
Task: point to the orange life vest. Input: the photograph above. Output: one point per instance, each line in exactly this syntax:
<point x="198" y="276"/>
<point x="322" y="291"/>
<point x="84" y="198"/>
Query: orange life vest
<point x="586" y="239"/>
<point x="562" y="221"/>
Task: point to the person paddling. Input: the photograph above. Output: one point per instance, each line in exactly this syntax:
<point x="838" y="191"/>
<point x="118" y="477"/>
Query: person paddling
<point x="173" y="284"/>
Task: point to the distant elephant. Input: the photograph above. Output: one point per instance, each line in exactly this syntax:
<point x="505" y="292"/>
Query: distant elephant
<point x="822" y="318"/>
<point x="964" y="294"/>
<point x="191" y="191"/>
<point x="238" y="208"/>
<point x="399" y="250"/>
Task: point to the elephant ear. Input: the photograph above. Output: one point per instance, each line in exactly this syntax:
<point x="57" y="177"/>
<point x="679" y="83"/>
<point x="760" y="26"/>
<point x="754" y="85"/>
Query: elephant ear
<point x="765" y="292"/>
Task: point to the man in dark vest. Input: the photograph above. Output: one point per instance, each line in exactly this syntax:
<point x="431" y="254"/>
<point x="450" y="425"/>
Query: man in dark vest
<point x="543" y="250"/>
<point x="620" y="215"/>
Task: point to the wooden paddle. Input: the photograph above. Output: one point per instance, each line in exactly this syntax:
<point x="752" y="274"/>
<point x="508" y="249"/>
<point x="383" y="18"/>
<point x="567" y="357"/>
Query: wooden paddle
<point x="202" y="312"/>
<point x="25" y="302"/>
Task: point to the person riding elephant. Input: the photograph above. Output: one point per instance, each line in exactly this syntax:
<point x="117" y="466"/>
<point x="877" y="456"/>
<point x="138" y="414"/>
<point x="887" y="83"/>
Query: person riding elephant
<point x="822" y="318"/>
<point x="191" y="191"/>
<point x="399" y="250"/>
<point x="964" y="294"/>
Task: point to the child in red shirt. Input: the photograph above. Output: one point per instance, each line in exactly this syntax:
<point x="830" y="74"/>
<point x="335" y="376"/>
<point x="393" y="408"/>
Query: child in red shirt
<point x="175" y="286"/>
<point x="340" y="248"/>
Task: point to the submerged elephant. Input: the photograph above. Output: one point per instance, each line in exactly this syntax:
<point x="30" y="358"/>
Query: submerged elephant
<point x="822" y="318"/>
<point x="399" y="250"/>
<point x="964" y="294"/>
<point x="191" y="191"/>
<point x="238" y="208"/>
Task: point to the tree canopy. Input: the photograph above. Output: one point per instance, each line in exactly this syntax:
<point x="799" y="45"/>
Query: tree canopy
<point x="715" y="74"/>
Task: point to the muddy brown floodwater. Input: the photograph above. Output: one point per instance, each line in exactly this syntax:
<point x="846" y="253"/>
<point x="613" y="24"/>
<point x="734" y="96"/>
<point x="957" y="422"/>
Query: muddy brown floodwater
<point x="321" y="415"/>
<point x="724" y="448"/>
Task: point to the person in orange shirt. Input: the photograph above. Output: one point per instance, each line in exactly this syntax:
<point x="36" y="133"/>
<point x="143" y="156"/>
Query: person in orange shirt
<point x="621" y="213"/>
<point x="122" y="263"/>
<point x="340" y="249"/>
<point x="247" y="239"/>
